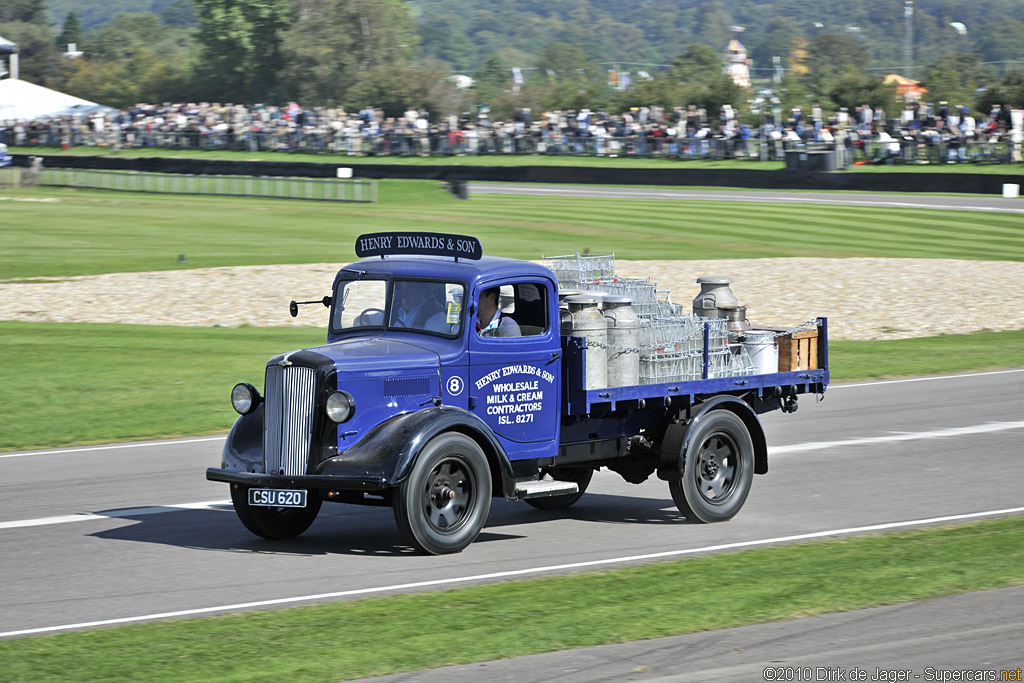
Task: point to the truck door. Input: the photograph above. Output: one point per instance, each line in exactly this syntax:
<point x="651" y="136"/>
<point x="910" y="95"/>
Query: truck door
<point x="515" y="365"/>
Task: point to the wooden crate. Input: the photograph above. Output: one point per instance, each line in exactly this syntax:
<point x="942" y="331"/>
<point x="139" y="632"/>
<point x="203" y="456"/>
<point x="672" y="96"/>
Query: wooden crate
<point x="798" y="351"/>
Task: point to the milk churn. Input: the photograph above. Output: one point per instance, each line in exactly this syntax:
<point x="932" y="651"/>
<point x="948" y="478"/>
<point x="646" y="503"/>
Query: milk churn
<point x="624" y="338"/>
<point x="563" y="306"/>
<point x="714" y="292"/>
<point x="737" y="317"/>
<point x="585" y="320"/>
<point x="564" y="294"/>
<point x="764" y="354"/>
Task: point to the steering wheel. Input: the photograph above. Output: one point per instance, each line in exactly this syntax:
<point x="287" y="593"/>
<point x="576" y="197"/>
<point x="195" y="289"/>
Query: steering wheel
<point x="365" y="319"/>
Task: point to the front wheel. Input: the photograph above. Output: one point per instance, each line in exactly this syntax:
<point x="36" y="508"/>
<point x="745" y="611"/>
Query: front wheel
<point x="274" y="523"/>
<point x="717" y="471"/>
<point x="443" y="504"/>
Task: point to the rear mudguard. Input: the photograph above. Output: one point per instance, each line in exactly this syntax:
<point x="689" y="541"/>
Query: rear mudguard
<point x="677" y="436"/>
<point x="388" y="451"/>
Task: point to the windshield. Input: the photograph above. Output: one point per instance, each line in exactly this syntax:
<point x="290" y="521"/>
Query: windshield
<point x="414" y="305"/>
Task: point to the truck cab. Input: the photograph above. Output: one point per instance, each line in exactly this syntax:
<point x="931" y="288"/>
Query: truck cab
<point x="414" y="323"/>
<point x="446" y="380"/>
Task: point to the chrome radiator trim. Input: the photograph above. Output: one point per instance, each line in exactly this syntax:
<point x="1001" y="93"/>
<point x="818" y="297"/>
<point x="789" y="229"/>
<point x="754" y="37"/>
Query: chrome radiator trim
<point x="288" y="419"/>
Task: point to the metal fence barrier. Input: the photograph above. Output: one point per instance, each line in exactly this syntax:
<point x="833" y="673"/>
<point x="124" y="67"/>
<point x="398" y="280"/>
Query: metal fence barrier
<point x="916" y="149"/>
<point x="322" y="189"/>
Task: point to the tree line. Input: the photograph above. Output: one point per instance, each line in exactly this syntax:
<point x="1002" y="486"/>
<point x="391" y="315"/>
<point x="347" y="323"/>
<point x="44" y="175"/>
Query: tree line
<point x="357" y="53"/>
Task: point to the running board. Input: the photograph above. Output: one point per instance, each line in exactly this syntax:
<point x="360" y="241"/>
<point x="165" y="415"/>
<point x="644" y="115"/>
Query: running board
<point x="545" y="488"/>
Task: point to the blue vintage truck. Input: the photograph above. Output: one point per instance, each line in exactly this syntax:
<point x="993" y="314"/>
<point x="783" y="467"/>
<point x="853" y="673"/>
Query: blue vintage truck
<point x="426" y="399"/>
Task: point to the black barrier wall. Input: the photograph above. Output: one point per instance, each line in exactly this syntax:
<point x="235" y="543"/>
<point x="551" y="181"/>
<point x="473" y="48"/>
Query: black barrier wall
<point x="971" y="183"/>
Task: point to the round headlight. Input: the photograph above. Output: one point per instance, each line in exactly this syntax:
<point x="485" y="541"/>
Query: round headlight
<point x="340" y="406"/>
<point x="244" y="398"/>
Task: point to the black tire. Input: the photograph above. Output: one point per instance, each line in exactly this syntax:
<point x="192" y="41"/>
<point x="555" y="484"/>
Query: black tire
<point x="580" y="475"/>
<point x="275" y="523"/>
<point x="718" y="469"/>
<point x="443" y="504"/>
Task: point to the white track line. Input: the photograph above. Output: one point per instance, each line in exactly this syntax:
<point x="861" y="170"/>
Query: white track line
<point x="921" y="379"/>
<point x="113" y="514"/>
<point x="890" y="438"/>
<point x="143" y="444"/>
<point x="613" y="193"/>
<point x="773" y="451"/>
<point x="514" y="573"/>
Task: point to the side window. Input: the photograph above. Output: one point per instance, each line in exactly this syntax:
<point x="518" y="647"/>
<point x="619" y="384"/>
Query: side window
<point x="359" y="303"/>
<point x="515" y="310"/>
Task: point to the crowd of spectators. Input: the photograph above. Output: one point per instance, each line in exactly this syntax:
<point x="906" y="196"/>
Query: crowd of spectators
<point x="920" y="133"/>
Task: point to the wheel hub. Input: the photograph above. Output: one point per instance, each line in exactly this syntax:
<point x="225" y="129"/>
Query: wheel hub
<point x="716" y="468"/>
<point x="447" y="496"/>
<point x="710" y="469"/>
<point x="442" y="494"/>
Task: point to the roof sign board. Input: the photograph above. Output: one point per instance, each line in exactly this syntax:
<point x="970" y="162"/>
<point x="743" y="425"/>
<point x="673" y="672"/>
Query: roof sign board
<point x="418" y="243"/>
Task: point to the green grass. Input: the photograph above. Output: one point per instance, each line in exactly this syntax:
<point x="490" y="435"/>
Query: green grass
<point x="91" y="383"/>
<point x="508" y="160"/>
<point x="85" y="231"/>
<point x="949" y="353"/>
<point x="376" y="636"/>
<point x="100" y="383"/>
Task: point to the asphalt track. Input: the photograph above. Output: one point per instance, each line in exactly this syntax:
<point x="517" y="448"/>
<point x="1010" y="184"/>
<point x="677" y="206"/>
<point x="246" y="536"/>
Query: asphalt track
<point x="133" y="532"/>
<point x="902" y="201"/>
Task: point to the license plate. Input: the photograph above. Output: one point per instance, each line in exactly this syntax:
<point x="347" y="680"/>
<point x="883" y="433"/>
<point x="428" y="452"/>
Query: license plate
<point x="278" y="498"/>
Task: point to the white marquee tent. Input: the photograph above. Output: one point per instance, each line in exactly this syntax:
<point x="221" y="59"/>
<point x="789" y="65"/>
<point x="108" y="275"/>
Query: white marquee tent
<point x="24" y="101"/>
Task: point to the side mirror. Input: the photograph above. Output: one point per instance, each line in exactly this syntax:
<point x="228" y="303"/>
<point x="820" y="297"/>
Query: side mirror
<point x="293" y="307"/>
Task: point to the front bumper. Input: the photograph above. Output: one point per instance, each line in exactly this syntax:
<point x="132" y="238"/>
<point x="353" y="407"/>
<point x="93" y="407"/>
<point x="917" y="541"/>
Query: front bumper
<point x="326" y="482"/>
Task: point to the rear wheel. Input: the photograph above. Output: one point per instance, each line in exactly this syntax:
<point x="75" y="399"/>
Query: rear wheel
<point x="717" y="471"/>
<point x="443" y="504"/>
<point x="580" y="475"/>
<point x="274" y="523"/>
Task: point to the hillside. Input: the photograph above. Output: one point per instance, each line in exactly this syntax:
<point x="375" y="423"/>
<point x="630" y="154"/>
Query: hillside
<point x="654" y="31"/>
<point x="647" y="33"/>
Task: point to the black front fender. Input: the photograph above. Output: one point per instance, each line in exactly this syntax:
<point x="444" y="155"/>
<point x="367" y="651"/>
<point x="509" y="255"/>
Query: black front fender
<point x="388" y="451"/>
<point x="243" y="449"/>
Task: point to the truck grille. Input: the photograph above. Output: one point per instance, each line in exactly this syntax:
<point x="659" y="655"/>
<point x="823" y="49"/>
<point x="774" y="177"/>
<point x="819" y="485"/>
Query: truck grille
<point x="288" y="419"/>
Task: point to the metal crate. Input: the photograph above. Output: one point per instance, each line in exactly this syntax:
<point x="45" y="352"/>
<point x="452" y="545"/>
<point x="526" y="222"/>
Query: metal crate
<point x="641" y="291"/>
<point x="576" y="270"/>
<point x="672" y="349"/>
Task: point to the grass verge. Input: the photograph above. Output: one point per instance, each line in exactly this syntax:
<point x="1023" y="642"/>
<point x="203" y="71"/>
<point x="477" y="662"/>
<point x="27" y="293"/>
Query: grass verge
<point x="91" y="383"/>
<point x="75" y="232"/>
<point x="78" y="383"/>
<point x="949" y="353"/>
<point x="377" y="636"/>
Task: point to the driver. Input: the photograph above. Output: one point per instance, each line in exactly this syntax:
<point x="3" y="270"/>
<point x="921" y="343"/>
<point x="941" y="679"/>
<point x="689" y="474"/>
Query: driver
<point x="491" y="322"/>
<point x="417" y="305"/>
